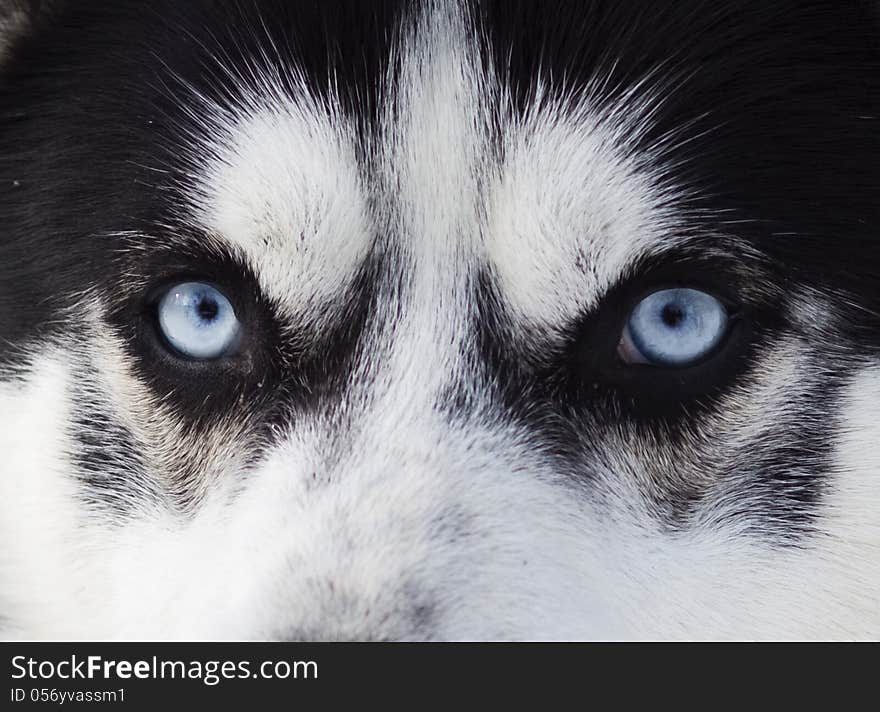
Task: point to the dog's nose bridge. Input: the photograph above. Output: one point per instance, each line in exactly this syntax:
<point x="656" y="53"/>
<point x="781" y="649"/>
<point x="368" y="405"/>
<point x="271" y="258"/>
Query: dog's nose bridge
<point x="419" y="351"/>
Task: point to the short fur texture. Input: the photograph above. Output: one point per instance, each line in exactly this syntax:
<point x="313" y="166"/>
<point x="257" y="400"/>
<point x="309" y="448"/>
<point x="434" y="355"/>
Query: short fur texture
<point x="433" y="219"/>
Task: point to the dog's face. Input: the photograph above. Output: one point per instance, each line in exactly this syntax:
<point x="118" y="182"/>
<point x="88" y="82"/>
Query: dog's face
<point x="440" y="320"/>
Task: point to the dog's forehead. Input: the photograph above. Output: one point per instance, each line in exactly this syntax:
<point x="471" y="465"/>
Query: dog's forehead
<point x="447" y="172"/>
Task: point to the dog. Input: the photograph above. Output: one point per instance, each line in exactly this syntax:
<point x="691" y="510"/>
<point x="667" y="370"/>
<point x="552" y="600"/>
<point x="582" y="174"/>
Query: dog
<point x="440" y="320"/>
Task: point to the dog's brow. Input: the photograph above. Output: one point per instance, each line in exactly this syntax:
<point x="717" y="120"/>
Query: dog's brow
<point x="285" y="191"/>
<point x="558" y="218"/>
<point x="570" y="214"/>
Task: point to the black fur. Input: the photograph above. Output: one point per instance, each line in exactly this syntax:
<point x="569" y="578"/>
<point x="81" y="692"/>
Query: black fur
<point x="768" y="113"/>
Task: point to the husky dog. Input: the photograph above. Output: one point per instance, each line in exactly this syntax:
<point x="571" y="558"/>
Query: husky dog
<point x="440" y="319"/>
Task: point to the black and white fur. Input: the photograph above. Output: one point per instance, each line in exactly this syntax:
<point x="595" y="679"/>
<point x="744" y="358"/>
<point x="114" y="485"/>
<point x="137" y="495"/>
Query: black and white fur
<point x="433" y="218"/>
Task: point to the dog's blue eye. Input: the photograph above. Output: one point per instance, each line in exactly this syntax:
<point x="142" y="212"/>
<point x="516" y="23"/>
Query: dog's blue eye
<point x="673" y="327"/>
<point x="198" y="321"/>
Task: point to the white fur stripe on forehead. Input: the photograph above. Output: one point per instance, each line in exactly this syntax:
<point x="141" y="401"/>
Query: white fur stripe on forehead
<point x="436" y="135"/>
<point x="559" y="221"/>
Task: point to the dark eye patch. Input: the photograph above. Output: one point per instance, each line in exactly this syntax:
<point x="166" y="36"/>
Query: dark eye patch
<point x="583" y="368"/>
<point x="276" y="366"/>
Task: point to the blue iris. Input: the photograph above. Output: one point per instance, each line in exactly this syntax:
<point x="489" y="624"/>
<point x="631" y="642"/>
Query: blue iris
<point x="198" y="321"/>
<point x="674" y="327"/>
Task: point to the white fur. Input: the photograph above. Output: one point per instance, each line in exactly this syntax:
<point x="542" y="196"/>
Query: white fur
<point x="418" y="527"/>
<point x="533" y="561"/>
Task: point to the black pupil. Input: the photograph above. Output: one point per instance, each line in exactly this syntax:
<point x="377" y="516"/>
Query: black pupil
<point x="672" y="315"/>
<point x="207" y="308"/>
